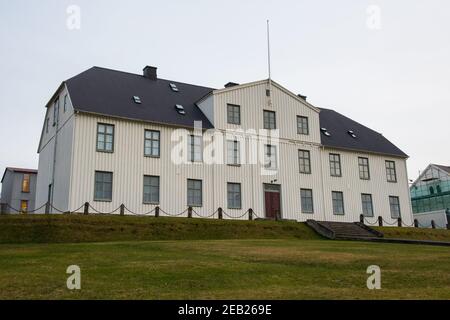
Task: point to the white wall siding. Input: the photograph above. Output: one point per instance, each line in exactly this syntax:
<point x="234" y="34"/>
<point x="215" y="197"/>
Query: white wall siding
<point x="129" y="165"/>
<point x="352" y="186"/>
<point x="61" y="188"/>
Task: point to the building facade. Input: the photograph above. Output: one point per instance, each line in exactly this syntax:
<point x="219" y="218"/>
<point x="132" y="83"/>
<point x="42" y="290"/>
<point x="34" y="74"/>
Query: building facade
<point x="18" y="190"/>
<point x="113" y="138"/>
<point x="430" y="196"/>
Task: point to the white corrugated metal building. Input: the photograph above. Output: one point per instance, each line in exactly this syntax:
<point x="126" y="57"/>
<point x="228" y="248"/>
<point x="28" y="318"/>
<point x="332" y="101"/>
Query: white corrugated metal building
<point x="118" y="136"/>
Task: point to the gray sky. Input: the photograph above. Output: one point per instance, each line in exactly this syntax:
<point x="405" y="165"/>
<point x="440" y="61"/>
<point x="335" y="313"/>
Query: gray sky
<point x="391" y="74"/>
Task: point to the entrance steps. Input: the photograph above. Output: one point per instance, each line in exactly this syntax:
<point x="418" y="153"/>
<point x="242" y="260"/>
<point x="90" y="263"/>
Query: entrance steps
<point x="344" y="230"/>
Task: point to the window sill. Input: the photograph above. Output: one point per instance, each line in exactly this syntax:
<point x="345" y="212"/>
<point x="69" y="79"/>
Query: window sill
<point x="234" y="208"/>
<point x="195" y="205"/>
<point x="305" y="172"/>
<point x="392" y="181"/>
<point x="339" y="214"/>
<point x="151" y="203"/>
<point x="102" y="200"/>
<point x="309" y="213"/>
<point x="153" y="157"/>
<point x="104" y="151"/>
<point x="233" y="165"/>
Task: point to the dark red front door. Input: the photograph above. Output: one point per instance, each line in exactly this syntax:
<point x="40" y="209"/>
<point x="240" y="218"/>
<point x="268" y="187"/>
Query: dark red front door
<point x="272" y="200"/>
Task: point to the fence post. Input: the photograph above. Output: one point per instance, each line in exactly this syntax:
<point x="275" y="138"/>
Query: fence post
<point x="399" y="222"/>
<point x="86" y="208"/>
<point x="448" y="226"/>
<point x="190" y="212"/>
<point x="220" y="211"/>
<point x="157" y="212"/>
<point x="122" y="209"/>
<point x="433" y="224"/>
<point x="416" y="223"/>
<point x="250" y="214"/>
<point x="380" y="221"/>
<point x="47" y="208"/>
<point x="361" y="218"/>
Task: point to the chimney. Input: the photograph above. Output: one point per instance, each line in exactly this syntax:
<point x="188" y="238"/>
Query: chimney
<point x="302" y="96"/>
<point x="150" y="72"/>
<point x="231" y="84"/>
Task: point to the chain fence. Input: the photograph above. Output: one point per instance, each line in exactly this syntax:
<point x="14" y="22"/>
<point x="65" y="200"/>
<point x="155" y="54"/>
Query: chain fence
<point x="88" y="209"/>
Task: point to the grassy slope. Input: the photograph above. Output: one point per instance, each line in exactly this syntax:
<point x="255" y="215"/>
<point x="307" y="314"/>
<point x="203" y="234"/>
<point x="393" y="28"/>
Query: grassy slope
<point x="415" y="233"/>
<point x="231" y="269"/>
<point x="59" y="228"/>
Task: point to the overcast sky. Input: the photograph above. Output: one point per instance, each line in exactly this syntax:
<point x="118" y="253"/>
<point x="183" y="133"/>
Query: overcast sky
<point x="385" y="64"/>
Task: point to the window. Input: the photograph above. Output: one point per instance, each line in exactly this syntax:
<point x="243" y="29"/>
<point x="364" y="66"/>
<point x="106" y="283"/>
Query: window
<point x="367" y="205"/>
<point x="105" y="137"/>
<point x="431" y="190"/>
<point x="65" y="102"/>
<point x="47" y="121"/>
<point x="26" y="183"/>
<point x="270" y="161"/>
<point x="338" y="203"/>
<point x="151" y="189"/>
<point x="152" y="143"/>
<point x="24" y="206"/>
<point x="335" y="165"/>
<point x="390" y="171"/>
<point x="194" y="193"/>
<point x="233" y="152"/>
<point x="302" y="125"/>
<point x="103" y="186"/>
<point x="364" y="172"/>
<point x="269" y="120"/>
<point x="394" y="203"/>
<point x="55" y="112"/>
<point x="234" y="195"/>
<point x="304" y="159"/>
<point x="194" y="148"/>
<point x="233" y="114"/>
<point x="307" y="201"/>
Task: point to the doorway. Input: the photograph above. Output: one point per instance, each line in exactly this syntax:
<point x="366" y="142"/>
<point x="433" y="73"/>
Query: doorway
<point x="272" y="201"/>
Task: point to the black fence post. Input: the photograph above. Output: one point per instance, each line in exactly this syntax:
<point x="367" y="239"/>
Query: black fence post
<point x="156" y="212"/>
<point x="416" y="223"/>
<point x="86" y="208"/>
<point x="399" y="222"/>
<point x="433" y="224"/>
<point x="220" y="211"/>
<point x="122" y="209"/>
<point x="380" y="221"/>
<point x="47" y="208"/>
<point x="190" y="212"/>
<point x="361" y="218"/>
<point x="250" y="214"/>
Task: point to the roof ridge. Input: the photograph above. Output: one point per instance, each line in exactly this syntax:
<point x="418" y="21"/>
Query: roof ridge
<point x="141" y="76"/>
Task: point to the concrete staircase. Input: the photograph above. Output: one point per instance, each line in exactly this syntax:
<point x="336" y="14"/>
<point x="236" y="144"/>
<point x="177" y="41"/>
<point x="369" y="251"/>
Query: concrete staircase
<point x="344" y="230"/>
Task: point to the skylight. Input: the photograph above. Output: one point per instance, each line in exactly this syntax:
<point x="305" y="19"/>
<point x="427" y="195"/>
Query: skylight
<point x="174" y="87"/>
<point x="180" y="109"/>
<point x="352" y="134"/>
<point x="325" y="132"/>
<point x="137" y="99"/>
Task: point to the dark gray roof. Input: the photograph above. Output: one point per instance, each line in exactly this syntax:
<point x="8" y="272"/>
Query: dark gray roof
<point x="109" y="92"/>
<point x="445" y="168"/>
<point x="366" y="139"/>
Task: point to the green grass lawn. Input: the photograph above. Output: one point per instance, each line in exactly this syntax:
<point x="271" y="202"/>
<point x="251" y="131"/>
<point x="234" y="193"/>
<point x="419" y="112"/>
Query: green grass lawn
<point x="224" y="269"/>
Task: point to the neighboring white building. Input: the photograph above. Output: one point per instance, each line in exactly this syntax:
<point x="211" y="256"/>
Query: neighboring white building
<point x="119" y="136"/>
<point x="430" y="196"/>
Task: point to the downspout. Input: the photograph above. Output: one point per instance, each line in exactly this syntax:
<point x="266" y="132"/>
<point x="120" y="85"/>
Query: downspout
<point x="323" y="181"/>
<point x="54" y="152"/>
